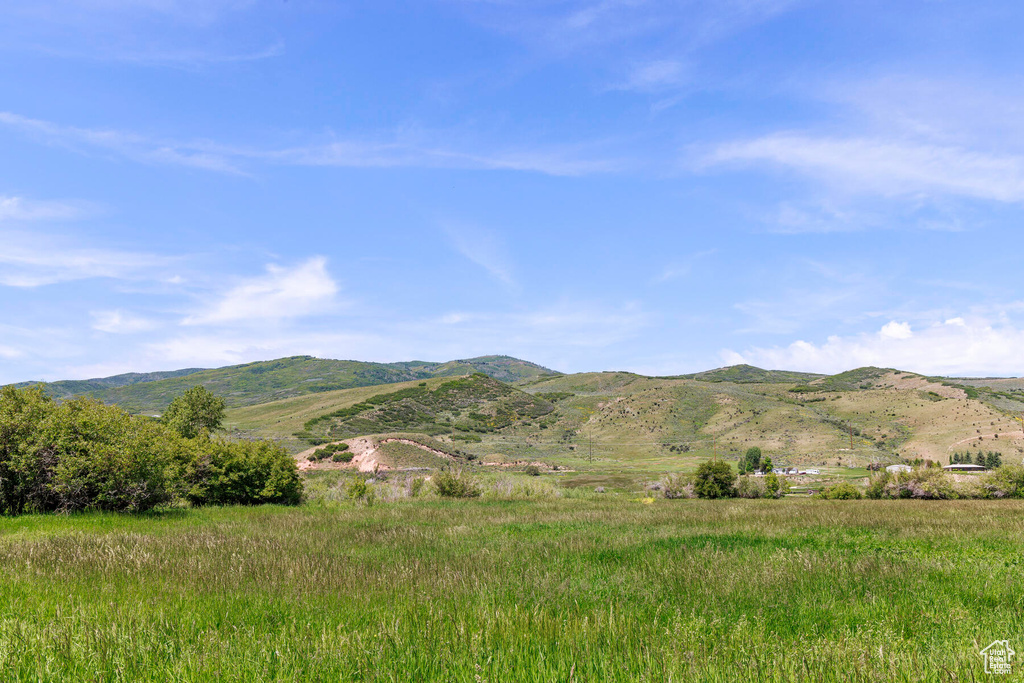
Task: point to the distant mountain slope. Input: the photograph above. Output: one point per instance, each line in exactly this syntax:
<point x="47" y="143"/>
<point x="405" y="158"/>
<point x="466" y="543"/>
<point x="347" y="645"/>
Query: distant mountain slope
<point x="748" y="374"/>
<point x="631" y="421"/>
<point x="261" y="382"/>
<point x="74" y="387"/>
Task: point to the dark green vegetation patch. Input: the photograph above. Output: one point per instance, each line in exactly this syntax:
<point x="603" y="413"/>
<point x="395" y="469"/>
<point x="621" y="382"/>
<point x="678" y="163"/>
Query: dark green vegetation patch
<point x="476" y="403"/>
<point x="748" y="374"/>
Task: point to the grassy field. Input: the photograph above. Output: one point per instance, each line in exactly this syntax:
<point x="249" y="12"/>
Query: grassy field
<point x="569" y="589"/>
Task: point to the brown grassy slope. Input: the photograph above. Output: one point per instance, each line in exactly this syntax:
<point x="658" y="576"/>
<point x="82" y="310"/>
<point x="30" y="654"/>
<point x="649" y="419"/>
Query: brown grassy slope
<point x="651" y="424"/>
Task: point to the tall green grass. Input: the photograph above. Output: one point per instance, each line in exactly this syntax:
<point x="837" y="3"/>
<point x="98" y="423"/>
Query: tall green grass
<point x="548" y="590"/>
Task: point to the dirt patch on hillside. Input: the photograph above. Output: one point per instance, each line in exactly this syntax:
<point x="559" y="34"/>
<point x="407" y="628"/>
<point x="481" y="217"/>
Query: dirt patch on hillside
<point x="364" y="452"/>
<point x="904" y="382"/>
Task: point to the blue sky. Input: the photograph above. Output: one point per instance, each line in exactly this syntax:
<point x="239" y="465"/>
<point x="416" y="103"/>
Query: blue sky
<point x="661" y="187"/>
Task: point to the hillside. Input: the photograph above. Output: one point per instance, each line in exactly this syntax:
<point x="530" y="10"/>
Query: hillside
<point x="466" y="405"/>
<point x="748" y="374"/>
<point x="266" y="381"/>
<point x="76" y="387"/>
<point x="634" y="424"/>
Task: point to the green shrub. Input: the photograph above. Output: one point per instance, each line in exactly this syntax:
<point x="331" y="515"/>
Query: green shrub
<point x="675" y="485"/>
<point x="714" y="479"/>
<point x="23" y="477"/>
<point x="1005" y="482"/>
<point x="358" y="489"/>
<point x="242" y="473"/>
<point x="750" y="487"/>
<point x="926" y="483"/>
<point x="92" y="456"/>
<point x="531" y="470"/>
<point x="775" y="487"/>
<point x="341" y="457"/>
<point x="415" y="486"/>
<point x="83" y="455"/>
<point x="80" y="455"/>
<point x="844" y="490"/>
<point x="450" y="484"/>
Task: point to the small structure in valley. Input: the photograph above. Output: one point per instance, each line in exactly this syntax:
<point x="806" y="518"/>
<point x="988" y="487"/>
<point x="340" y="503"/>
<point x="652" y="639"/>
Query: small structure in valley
<point x="964" y="467"/>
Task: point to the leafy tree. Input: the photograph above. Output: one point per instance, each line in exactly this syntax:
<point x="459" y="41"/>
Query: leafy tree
<point x="772" y="485"/>
<point x="194" y="412"/>
<point x="751" y="461"/>
<point x="21" y="415"/>
<point x="714" y="479"/>
<point x="93" y="456"/>
<point x="766" y="464"/>
<point x="241" y="473"/>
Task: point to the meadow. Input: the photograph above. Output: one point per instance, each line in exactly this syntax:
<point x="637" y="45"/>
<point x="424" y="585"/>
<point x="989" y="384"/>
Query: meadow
<point x="574" y="588"/>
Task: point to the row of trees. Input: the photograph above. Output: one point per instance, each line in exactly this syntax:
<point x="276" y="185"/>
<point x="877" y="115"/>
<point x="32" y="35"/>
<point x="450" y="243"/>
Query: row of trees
<point x="82" y="454"/>
<point x="754" y="461"/>
<point x="991" y="460"/>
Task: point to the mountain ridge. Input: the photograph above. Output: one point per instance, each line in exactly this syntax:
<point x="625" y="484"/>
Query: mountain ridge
<point x="272" y="380"/>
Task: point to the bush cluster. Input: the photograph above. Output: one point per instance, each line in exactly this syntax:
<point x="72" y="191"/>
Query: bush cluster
<point x="449" y="484"/>
<point x="844" y="490"/>
<point x="768" y="486"/>
<point x="82" y="454"/>
<point x="926" y="483"/>
<point x="335" y="451"/>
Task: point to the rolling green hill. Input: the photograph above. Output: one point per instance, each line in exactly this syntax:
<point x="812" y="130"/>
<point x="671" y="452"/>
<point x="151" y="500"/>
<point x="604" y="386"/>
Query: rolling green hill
<point x="634" y="424"/>
<point x="77" y="387"/>
<point x="748" y="374"/>
<point x="265" y="381"/>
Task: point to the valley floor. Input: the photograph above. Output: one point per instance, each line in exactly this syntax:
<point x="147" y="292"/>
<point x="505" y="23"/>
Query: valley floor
<point x="571" y="589"/>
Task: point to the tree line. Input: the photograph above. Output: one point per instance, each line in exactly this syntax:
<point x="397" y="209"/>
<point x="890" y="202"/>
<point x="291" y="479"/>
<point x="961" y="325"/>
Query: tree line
<point x="991" y="459"/>
<point x="83" y="455"/>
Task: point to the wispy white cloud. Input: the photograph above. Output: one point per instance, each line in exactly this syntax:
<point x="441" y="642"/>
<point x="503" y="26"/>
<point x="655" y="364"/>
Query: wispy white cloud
<point x="654" y="76"/>
<point x="34" y="259"/>
<point x="124" y="144"/>
<point x="175" y="33"/>
<point x="400" y="149"/>
<point x="954" y="346"/>
<point x="121" y="322"/>
<point x="683" y="266"/>
<point x="483" y="247"/>
<point x="9" y="352"/>
<point x="884" y="167"/>
<point x="576" y="25"/>
<point x="20" y="209"/>
<point x="301" y="290"/>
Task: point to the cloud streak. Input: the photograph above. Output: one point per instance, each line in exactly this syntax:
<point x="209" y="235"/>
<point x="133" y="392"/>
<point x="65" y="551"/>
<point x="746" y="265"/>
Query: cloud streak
<point x="34" y="260"/>
<point x="885" y="167"/>
<point x="482" y="247"/>
<point x="401" y="150"/>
